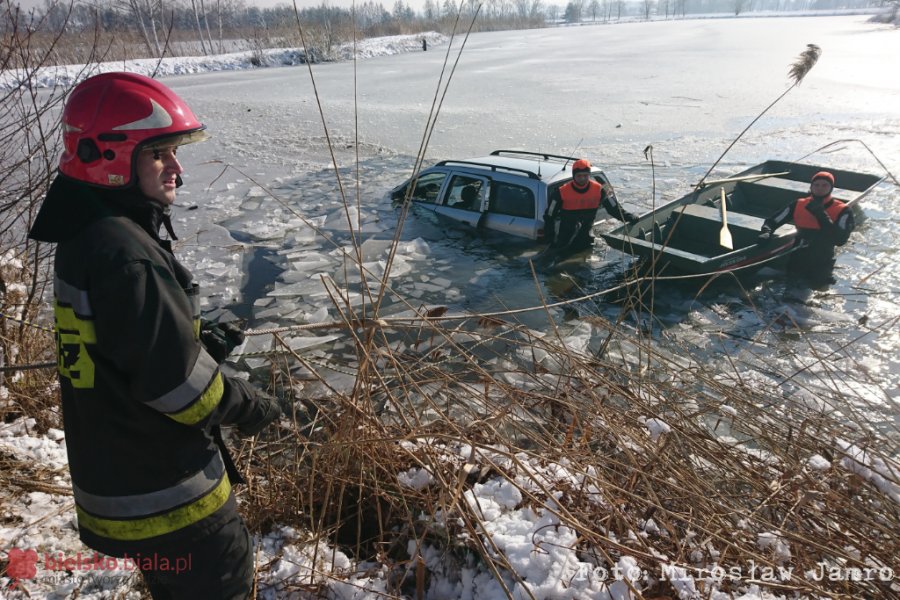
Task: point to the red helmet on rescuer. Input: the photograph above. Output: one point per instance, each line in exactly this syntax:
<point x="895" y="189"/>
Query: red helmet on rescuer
<point x="109" y="118"/>
<point x="581" y="164"/>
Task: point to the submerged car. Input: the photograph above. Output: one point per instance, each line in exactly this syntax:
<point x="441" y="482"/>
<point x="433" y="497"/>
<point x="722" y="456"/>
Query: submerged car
<point x="507" y="191"/>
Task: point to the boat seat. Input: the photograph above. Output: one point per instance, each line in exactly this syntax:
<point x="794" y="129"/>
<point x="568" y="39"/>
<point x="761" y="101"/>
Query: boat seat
<point x="699" y="224"/>
<point x="712" y="213"/>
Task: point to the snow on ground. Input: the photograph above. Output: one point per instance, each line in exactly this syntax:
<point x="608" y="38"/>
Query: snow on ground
<point x="67" y="75"/>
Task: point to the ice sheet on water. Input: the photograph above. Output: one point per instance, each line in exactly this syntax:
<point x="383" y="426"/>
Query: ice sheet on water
<point x="279" y="309"/>
<point x="220" y="315"/>
<point x="427" y="287"/>
<point x="319" y="315"/>
<point x="291" y="290"/>
<point x="400" y="267"/>
<point x="344" y="220"/>
<point x="302" y="270"/>
<point x="303" y="342"/>
<point x="373" y="248"/>
<point x="416" y="249"/>
<point x="304" y="232"/>
<point x="441" y="282"/>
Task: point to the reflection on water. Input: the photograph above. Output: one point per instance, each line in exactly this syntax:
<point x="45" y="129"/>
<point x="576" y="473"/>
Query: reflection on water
<point x="845" y="338"/>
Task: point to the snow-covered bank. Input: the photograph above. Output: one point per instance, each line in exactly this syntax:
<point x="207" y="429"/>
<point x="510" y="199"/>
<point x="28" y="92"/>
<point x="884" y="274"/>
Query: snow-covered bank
<point x="67" y="75"/>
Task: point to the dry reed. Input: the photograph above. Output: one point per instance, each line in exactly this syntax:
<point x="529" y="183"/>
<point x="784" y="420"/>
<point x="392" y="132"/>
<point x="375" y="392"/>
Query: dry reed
<point x="480" y="400"/>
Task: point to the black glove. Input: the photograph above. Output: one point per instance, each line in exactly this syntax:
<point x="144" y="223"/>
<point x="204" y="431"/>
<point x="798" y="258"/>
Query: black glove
<point x="220" y="339"/>
<point x="549" y="227"/>
<point x="764" y="236"/>
<point x="629" y="218"/>
<point x="261" y="408"/>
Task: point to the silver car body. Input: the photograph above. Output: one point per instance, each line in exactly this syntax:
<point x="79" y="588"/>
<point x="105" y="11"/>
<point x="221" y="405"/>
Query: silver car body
<point x="506" y="191"/>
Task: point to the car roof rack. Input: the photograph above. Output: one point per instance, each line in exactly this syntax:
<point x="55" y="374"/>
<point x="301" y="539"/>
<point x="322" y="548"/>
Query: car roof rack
<point x="543" y="155"/>
<point x="531" y="174"/>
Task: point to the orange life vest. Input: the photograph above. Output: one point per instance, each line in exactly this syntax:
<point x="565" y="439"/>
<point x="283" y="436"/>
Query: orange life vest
<point x="804" y="219"/>
<point x="572" y="199"/>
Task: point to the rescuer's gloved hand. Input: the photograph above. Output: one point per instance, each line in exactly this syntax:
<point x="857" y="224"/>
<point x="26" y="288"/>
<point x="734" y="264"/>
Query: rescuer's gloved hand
<point x="259" y="409"/>
<point x="220" y="339"/>
<point x="266" y="411"/>
<point x="629" y="218"/>
<point x="764" y="236"/>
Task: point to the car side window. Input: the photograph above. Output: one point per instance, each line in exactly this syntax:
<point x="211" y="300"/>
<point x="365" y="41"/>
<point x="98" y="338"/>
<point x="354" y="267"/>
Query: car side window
<point x="511" y="199"/>
<point x="428" y="186"/>
<point x="464" y="192"/>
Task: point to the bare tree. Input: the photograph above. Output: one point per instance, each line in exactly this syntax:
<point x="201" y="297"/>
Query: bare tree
<point x="206" y="22"/>
<point x="145" y="14"/>
<point x="199" y="29"/>
<point x="431" y="10"/>
<point x="552" y="12"/>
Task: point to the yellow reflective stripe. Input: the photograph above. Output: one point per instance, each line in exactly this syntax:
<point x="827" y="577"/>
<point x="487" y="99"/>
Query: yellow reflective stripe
<point x="72" y="358"/>
<point x="148" y="527"/>
<point x="196" y="329"/>
<point x="208" y="401"/>
<point x="188" y="391"/>
<point x="137" y="506"/>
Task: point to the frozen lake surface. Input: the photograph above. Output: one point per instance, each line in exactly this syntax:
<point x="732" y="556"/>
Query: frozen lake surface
<point x="606" y="92"/>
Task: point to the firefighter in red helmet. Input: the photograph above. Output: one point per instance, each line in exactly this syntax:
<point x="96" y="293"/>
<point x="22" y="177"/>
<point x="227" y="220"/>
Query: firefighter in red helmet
<point x="142" y="394"/>
<point x="574" y="205"/>
<point x="822" y="223"/>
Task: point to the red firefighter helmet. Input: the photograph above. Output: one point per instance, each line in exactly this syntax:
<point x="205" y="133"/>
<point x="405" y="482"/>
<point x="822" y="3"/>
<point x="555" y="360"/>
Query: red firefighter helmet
<point x="582" y="164"/>
<point x="109" y="118"/>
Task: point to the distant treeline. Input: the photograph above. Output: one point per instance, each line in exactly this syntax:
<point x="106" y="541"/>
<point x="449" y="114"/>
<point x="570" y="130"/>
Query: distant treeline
<point x="120" y="29"/>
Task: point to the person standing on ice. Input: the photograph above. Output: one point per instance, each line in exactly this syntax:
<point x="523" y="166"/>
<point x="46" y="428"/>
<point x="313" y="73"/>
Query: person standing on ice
<point x="142" y="398"/>
<point x="575" y="206"/>
<point x="822" y="223"/>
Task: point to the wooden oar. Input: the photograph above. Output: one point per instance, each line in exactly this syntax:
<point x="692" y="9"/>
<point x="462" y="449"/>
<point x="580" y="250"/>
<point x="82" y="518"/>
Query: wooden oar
<point x="724" y="234"/>
<point x="704" y="184"/>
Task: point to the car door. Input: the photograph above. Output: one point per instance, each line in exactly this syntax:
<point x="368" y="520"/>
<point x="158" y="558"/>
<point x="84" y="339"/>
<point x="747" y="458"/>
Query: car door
<point x="512" y="209"/>
<point x="464" y="198"/>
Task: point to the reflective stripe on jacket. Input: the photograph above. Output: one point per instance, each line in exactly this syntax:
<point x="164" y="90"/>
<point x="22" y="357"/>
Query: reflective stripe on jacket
<point x="803" y="219"/>
<point x="572" y="199"/>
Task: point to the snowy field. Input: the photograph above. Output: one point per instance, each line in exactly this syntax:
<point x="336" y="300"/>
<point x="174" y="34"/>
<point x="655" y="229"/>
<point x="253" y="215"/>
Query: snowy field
<point x="606" y="92"/>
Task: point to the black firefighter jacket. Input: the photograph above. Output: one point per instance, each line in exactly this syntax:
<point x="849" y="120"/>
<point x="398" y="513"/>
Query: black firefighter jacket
<point x="139" y="393"/>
